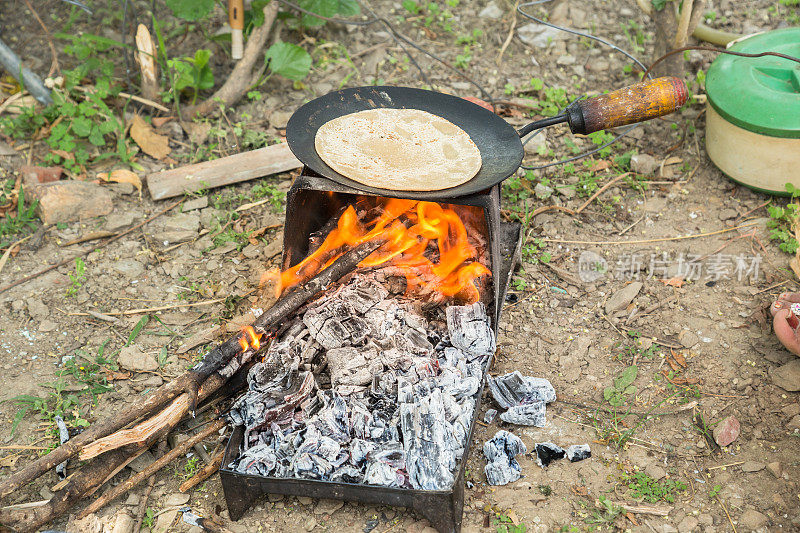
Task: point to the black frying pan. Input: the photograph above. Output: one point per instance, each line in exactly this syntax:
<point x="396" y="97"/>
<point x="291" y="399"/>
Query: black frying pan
<point x="499" y="143"/>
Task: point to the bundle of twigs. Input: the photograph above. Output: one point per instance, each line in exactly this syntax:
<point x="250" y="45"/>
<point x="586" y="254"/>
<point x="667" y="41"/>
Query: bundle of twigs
<point x="111" y="444"/>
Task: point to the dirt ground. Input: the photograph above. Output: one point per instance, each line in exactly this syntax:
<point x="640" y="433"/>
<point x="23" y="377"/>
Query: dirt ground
<point x="705" y="353"/>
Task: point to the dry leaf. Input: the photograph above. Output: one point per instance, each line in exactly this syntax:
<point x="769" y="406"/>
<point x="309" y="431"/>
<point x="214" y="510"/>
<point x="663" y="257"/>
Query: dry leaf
<point x="673" y="282"/>
<point x="9" y="461"/>
<point x="673" y="366"/>
<point x="122" y="175"/>
<point x="66" y="155"/>
<point x="160" y="121"/>
<point x="602" y="164"/>
<point x="630" y="517"/>
<point x="679" y="358"/>
<point x="151" y="143"/>
<point x="672" y="161"/>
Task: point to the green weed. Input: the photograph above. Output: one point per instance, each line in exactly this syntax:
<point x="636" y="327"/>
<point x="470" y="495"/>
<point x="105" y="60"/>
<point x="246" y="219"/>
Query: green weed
<point x="149" y="518"/>
<point x="76" y="279"/>
<point x="504" y="524"/>
<point x="651" y="490"/>
<point x="783" y="221"/>
<point x="617" y="393"/>
<point x="607" y="514"/>
<point x="18" y="220"/>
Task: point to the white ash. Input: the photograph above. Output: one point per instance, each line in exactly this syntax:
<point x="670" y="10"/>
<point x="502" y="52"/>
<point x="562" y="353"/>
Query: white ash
<point x="501" y="451"/>
<point x="524" y="397"/>
<point x="400" y="401"/>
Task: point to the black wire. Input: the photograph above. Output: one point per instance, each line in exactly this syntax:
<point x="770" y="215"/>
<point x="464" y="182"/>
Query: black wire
<point x="78" y="4"/>
<point x="594" y="38"/>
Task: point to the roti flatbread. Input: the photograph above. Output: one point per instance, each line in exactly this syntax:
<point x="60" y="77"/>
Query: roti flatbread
<point x="398" y="149"/>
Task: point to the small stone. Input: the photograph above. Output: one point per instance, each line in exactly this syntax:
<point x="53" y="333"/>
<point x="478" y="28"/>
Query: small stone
<point x="623" y="297"/>
<point x="165" y="520"/>
<point x="130" y="268"/>
<point x="124" y="523"/>
<point x="310" y="523"/>
<point x="794" y="423"/>
<point x="655" y="471"/>
<point x="705" y="519"/>
<point x="791" y="410"/>
<point x="47" y="325"/>
<point x="726" y="431"/>
<point x="176" y="499"/>
<point x="133" y="499"/>
<point x="304" y="500"/>
<point x="644" y="164"/>
<point x="688" y="524"/>
<point x="70" y="200"/>
<point x="183" y="221"/>
<point x="279" y="119"/>
<point x="119" y="220"/>
<point x="542" y="191"/>
<point x="33" y="175"/>
<point x="752" y="466"/>
<point x="539" y="35"/>
<point x="752" y="520"/>
<point x="195" y="203"/>
<point x="787" y="376"/>
<point x="153" y="381"/>
<point x="134" y="359"/>
<point x="667" y="528"/>
<point x="491" y="11"/>
<point x="688" y="338"/>
<point x="565" y="60"/>
<point x="328" y="506"/>
<point x="251" y="251"/>
<point x="775" y="468"/>
<point x="274" y="498"/>
<point x="728" y="214"/>
<point x="141" y="462"/>
<point x="535" y="141"/>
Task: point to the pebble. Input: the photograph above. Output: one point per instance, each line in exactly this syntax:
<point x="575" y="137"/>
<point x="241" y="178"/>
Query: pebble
<point x="565" y="60"/>
<point x="119" y="220"/>
<point x="688" y="524"/>
<point x="620" y="299"/>
<point x="274" y="498"/>
<point x="47" y="325"/>
<point x="655" y="471"/>
<point x="726" y="431"/>
<point x="141" y="462"/>
<point x="534" y="141"/>
<point x="688" y="338"/>
<point x="70" y="201"/>
<point x="176" y="499"/>
<point x="124" y="523"/>
<point x="304" y="500"/>
<point x="644" y="164"/>
<point x="133" y="499"/>
<point x="542" y="191"/>
<point x="794" y="423"/>
<point x="775" y="468"/>
<point x="491" y="11"/>
<point x="310" y="523"/>
<point x="728" y="214"/>
<point x="752" y="519"/>
<point x="539" y="35"/>
<point x="787" y="376"/>
<point x="752" y="466"/>
<point x="134" y="359"/>
<point x="328" y="506"/>
<point x="791" y="410"/>
<point x="164" y="521"/>
<point x="279" y="119"/>
<point x="195" y="203"/>
<point x="130" y="268"/>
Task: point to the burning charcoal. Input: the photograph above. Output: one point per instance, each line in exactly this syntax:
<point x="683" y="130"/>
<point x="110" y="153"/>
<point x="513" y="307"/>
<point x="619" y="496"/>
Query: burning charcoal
<point x="386" y="467"/>
<point x="547" y="452"/>
<point x="578" y="452"/>
<point x="351" y="366"/>
<point x="362" y="294"/>
<point x="359" y="449"/>
<point x="347" y="474"/>
<point x="516" y="389"/>
<point x="334" y="324"/>
<point x="489" y="416"/>
<point x="466" y="388"/>
<point x="529" y="414"/>
<point x="501" y="451"/>
<point x="470" y="330"/>
<point x="259" y="460"/>
<point x="332" y="420"/>
<point x="311" y="466"/>
<point x="429" y="443"/>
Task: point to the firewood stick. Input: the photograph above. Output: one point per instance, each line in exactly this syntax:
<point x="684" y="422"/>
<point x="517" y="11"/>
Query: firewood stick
<point x="159" y="463"/>
<point x="205" y="473"/>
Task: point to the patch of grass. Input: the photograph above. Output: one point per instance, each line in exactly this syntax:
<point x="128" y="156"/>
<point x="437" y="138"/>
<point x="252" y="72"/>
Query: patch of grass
<point x="15" y="220"/>
<point x="783" y="221"/>
<point x="546" y="490"/>
<point x="191" y="468"/>
<point x="604" y="516"/>
<point x="629" y="352"/>
<point x="532" y="252"/>
<point x="149" y="518"/>
<point x="504" y="524"/>
<point x="644" y="487"/>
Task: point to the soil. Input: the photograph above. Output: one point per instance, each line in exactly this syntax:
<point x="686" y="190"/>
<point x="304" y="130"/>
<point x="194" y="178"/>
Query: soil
<point x="706" y="353"/>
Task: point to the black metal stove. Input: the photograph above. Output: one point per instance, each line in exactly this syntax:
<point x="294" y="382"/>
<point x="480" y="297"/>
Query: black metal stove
<point x="311" y="202"/>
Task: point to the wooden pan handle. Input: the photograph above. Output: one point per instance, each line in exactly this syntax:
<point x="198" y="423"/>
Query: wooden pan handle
<point x="635" y="103"/>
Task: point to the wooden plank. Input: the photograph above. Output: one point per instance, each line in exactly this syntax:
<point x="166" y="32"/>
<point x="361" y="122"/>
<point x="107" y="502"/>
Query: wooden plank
<point x="224" y="171"/>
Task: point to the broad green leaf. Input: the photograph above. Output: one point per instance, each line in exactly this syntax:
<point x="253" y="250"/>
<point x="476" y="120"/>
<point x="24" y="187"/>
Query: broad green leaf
<point x="608" y="392"/>
<point x="201" y="58"/>
<point x="626" y="378"/>
<point x="190" y="9"/>
<point x="288" y="60"/>
<point x="96" y="137"/>
<point x="18" y="418"/>
<point x="327" y="8"/>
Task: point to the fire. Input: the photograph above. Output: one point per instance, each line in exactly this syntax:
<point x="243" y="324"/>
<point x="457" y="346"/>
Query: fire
<point x="250" y="339"/>
<point x="409" y="228"/>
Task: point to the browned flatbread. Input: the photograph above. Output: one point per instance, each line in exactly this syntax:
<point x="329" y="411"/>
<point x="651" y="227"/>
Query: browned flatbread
<point x="398" y="149"/>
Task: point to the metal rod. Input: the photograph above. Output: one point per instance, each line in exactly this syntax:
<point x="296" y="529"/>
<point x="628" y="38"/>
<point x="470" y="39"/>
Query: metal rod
<point x="29" y="81"/>
<point x="542" y="124"/>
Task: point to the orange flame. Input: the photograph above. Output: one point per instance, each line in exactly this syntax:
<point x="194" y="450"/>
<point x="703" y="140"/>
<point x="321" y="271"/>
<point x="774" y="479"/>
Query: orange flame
<point x="250" y="339"/>
<point x="408" y="227"/>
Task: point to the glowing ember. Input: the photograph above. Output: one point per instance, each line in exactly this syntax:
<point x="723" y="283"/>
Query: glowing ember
<point x="250" y="339"/>
<point x="408" y="227"/>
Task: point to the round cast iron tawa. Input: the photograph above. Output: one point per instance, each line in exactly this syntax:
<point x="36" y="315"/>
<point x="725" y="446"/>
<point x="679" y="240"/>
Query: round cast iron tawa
<point x="499" y="145"/>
